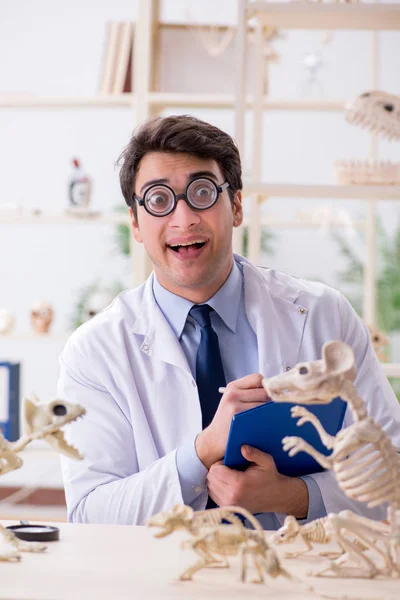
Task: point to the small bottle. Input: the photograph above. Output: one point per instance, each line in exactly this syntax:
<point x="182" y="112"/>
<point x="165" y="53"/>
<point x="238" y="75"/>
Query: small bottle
<point x="79" y="187"/>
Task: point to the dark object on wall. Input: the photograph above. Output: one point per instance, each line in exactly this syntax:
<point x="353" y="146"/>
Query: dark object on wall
<point x="9" y="399"/>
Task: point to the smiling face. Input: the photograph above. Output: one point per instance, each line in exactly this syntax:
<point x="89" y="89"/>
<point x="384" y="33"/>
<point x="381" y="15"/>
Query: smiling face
<point x="191" y="250"/>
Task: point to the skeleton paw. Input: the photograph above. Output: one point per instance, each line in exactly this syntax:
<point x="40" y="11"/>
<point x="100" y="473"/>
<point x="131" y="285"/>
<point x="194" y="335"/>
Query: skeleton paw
<point x="293" y="444"/>
<point x="185" y="577"/>
<point x="31" y="547"/>
<point x="320" y="573"/>
<point x="301" y="411"/>
<point x="11" y="556"/>
<point x="257" y="580"/>
<point x="292" y="554"/>
<point x="332" y="555"/>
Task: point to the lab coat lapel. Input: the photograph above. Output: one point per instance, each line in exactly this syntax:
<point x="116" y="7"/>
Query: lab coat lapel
<point x="276" y="319"/>
<point x="159" y="340"/>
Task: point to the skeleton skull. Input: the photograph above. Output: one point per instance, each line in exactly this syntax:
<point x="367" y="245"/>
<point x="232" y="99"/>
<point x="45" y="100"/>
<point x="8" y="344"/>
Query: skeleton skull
<point x="6" y="321"/>
<point x="314" y="382"/>
<point x="41" y="317"/>
<point x="287" y="533"/>
<point x="44" y="421"/>
<point x="377" y="111"/>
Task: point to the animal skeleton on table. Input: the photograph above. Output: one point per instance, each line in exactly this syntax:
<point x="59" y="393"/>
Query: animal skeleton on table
<point x="378" y="112"/>
<point x="320" y="532"/>
<point x="41" y="421"/>
<point x="213" y="541"/>
<point x="364" y="460"/>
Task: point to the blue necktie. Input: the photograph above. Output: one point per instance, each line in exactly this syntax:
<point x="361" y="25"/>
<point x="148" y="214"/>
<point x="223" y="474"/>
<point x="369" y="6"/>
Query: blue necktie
<point x="209" y="370"/>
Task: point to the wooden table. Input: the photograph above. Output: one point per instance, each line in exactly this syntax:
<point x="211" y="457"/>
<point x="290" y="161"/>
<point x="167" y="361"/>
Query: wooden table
<point x="116" y="561"/>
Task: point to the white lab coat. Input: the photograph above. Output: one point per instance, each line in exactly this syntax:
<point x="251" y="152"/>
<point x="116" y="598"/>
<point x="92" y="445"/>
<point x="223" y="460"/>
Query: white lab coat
<point x="128" y="369"/>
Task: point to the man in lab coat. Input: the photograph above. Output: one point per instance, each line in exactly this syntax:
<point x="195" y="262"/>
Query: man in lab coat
<point x="134" y="366"/>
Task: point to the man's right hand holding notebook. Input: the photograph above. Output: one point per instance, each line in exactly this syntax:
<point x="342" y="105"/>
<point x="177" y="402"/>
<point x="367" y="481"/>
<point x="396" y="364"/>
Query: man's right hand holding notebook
<point x="240" y="395"/>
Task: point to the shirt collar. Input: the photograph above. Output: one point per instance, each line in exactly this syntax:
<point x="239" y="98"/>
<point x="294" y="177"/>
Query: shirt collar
<point x="225" y="302"/>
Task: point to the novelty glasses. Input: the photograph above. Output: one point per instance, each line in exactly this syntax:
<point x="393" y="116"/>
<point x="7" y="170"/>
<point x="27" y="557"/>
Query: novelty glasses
<point x="160" y="200"/>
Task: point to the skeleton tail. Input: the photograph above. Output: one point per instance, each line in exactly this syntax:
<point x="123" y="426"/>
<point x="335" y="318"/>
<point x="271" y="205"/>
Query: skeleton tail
<point x="239" y="510"/>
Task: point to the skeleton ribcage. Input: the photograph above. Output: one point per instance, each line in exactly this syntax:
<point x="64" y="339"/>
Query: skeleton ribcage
<point x="214" y="517"/>
<point x="370" y="473"/>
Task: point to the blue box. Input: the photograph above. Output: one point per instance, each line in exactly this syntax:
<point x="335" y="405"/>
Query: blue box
<point x="9" y="400"/>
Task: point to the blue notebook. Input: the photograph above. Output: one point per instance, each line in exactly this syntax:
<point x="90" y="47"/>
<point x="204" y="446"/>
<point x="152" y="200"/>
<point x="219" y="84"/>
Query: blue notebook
<point x="264" y="426"/>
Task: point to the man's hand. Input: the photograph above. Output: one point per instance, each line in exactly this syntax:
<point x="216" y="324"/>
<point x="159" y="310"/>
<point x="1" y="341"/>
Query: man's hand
<point x="240" y="395"/>
<point x="260" y="488"/>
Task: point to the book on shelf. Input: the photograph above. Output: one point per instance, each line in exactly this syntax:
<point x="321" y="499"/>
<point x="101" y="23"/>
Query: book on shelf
<point x="9" y="399"/>
<point x="117" y="59"/>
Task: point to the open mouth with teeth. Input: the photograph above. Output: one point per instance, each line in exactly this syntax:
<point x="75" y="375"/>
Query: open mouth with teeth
<point x="281" y="395"/>
<point x="190" y="249"/>
<point x="58" y="442"/>
<point x="55" y="437"/>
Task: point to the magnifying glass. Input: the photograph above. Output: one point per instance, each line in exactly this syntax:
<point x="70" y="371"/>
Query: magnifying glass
<point x="35" y="533"/>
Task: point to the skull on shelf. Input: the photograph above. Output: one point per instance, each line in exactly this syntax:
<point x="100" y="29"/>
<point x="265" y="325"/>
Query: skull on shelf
<point x="7" y="321"/>
<point x="42" y="315"/>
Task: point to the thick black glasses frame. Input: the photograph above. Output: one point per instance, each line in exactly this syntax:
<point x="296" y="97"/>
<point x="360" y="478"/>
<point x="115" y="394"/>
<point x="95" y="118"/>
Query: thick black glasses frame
<point x="142" y="201"/>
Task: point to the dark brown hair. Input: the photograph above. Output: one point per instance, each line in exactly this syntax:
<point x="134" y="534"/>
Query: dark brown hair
<point x="182" y="133"/>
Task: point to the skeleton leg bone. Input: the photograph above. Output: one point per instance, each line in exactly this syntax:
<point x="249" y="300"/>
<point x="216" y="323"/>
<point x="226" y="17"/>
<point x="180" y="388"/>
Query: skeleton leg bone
<point x="19" y="545"/>
<point x="253" y="550"/>
<point x="296" y="444"/>
<point x="364" y="532"/>
<point x="307" y="417"/>
<point x="9" y="462"/>
<point x="199" y="545"/>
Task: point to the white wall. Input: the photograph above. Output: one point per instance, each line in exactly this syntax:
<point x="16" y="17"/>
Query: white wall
<point x="55" y="48"/>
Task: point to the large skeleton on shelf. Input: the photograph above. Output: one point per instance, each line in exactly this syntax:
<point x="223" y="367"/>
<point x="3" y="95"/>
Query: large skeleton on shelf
<point x="379" y="112"/>
<point x="41" y="421"/>
<point x="364" y="460"/>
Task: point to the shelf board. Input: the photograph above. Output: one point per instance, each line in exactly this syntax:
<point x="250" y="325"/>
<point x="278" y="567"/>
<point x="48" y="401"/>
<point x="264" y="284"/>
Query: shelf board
<point x="340" y="192"/>
<point x="306" y="223"/>
<point x="310" y="15"/>
<point x="164" y="100"/>
<point x="36" y="337"/>
<point x="9" y="100"/>
<point x="15" y="218"/>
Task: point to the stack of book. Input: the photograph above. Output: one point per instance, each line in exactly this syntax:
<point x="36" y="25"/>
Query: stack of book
<point x="117" y="59"/>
